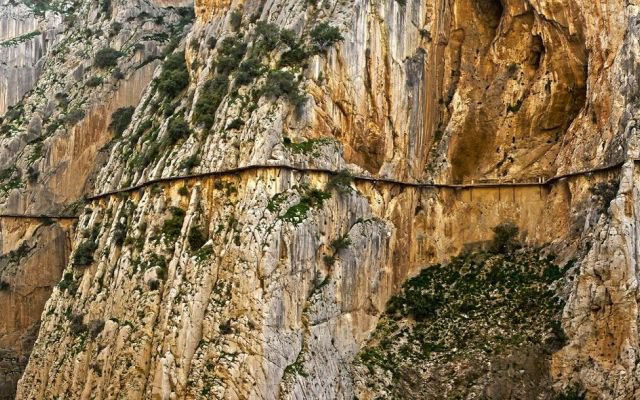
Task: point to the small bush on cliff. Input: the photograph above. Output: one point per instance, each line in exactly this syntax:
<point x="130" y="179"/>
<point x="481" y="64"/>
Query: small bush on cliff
<point x="107" y="58"/>
<point x="283" y="84"/>
<point x="67" y="282"/>
<point x="230" y="54"/>
<point x="94" y="81"/>
<point x="178" y="129"/>
<point x="575" y="392"/>
<point x="83" y="255"/>
<point x="76" y="324"/>
<point x="174" y="77"/>
<point x="197" y="238"/>
<point x="604" y="193"/>
<point x="235" y="20"/>
<point x="324" y="36"/>
<point x="4" y="286"/>
<point x="248" y="71"/>
<point x="211" y="95"/>
<point x="313" y="198"/>
<point x="173" y="226"/>
<point x="340" y="181"/>
<point x="505" y="238"/>
<point x="341" y="243"/>
<point x="120" y="120"/>
<point x="119" y="234"/>
<point x="74" y="116"/>
<point x="95" y="327"/>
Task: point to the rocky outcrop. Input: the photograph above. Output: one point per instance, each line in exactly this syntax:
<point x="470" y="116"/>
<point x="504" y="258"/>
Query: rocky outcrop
<point x="34" y="255"/>
<point x="25" y="39"/>
<point x="52" y="139"/>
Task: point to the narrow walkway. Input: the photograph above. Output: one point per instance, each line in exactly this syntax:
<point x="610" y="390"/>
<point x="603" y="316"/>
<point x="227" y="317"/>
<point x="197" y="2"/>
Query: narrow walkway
<point x="38" y="216"/>
<point x="542" y="181"/>
<point x="362" y="178"/>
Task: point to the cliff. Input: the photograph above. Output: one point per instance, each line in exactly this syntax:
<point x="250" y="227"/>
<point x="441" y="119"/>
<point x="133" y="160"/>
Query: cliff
<point x="286" y="166"/>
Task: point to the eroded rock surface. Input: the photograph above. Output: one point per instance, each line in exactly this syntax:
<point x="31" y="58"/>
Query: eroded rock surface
<point x="268" y="282"/>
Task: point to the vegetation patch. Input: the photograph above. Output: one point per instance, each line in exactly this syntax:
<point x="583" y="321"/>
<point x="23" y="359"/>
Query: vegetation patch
<point x="323" y="36"/>
<point x="174" y="77"/>
<point x="210" y="98"/>
<point x="604" y="193"/>
<point x="178" y="129"/>
<point x="68" y="283"/>
<point x="83" y="256"/>
<point x="196" y="237"/>
<point x="308" y="147"/>
<point x="107" y="58"/>
<point x="341" y="181"/>
<point x="313" y="198"/>
<point x="283" y="84"/>
<point x="472" y="310"/>
<point x="172" y="227"/>
<point x="120" y="120"/>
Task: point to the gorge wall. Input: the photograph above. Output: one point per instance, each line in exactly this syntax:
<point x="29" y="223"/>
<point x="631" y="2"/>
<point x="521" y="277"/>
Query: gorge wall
<point x="268" y="282"/>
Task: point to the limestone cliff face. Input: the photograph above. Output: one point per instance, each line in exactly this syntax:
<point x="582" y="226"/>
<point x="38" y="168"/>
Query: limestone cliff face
<point x="34" y="254"/>
<point x="52" y="137"/>
<point x="268" y="281"/>
<point x="25" y="39"/>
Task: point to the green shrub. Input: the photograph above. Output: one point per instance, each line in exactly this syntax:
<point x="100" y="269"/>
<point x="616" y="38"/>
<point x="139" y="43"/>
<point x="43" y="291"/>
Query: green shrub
<point x="115" y="28"/>
<point x="235" y="124"/>
<point x="76" y="324"/>
<point x="604" y="193"/>
<point x="211" y="96"/>
<point x="211" y="42"/>
<point x="172" y="226"/>
<point x="298" y="212"/>
<point x="296" y="56"/>
<point x="178" y="129"/>
<point x="575" y="392"/>
<point x="225" y="328"/>
<point x="232" y="51"/>
<point x="19" y="253"/>
<point x="341" y="243"/>
<point x="505" y="238"/>
<point x="324" y="36"/>
<point x="174" y="77"/>
<point x="282" y="84"/>
<point x="191" y="162"/>
<point x="95" y="327"/>
<point x="74" y="116"/>
<point x="117" y="74"/>
<point x="119" y="234"/>
<point x="83" y="255"/>
<point x="66" y="282"/>
<point x="196" y="237"/>
<point x="340" y="181"/>
<point x="120" y="120"/>
<point x="105" y="6"/>
<point x="248" y="71"/>
<point x="32" y="174"/>
<point x="94" y="81"/>
<point x="269" y="37"/>
<point x="235" y="20"/>
<point x="107" y="58"/>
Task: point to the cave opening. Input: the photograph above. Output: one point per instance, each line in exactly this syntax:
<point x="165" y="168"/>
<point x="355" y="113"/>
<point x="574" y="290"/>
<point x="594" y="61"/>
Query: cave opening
<point x="490" y="12"/>
<point x="537" y="51"/>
